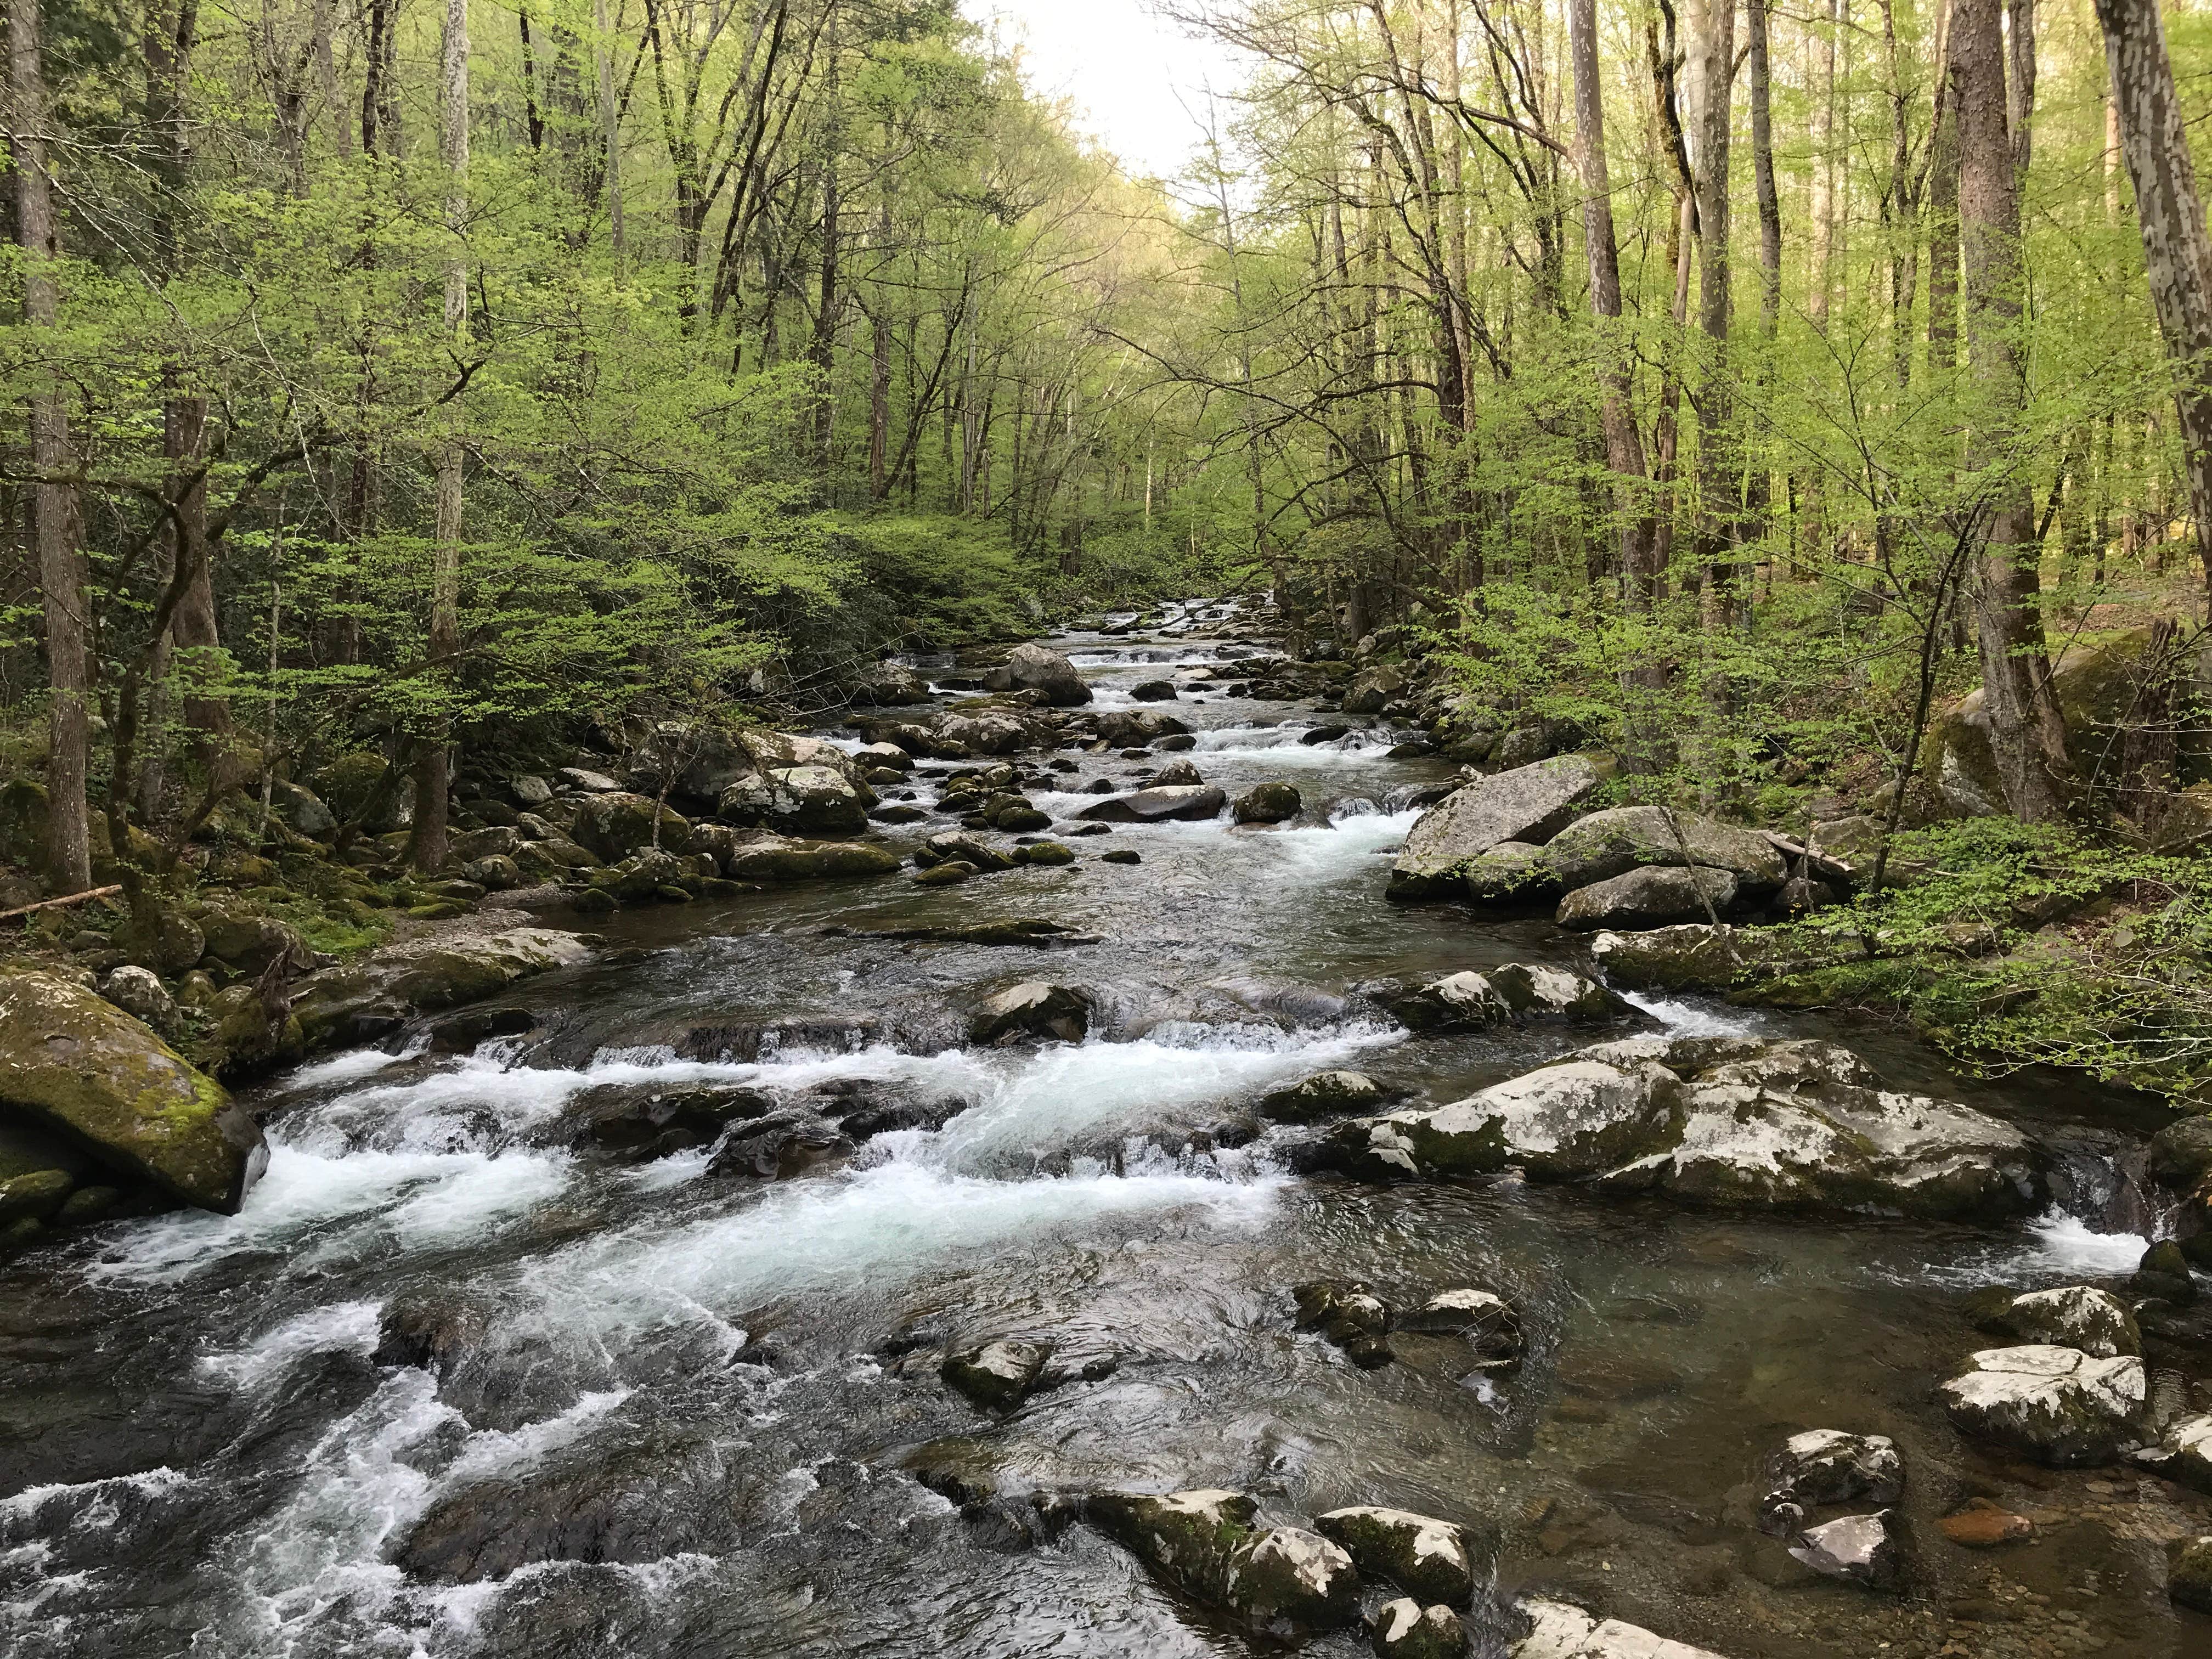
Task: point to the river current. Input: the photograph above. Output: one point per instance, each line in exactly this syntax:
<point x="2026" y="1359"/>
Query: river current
<point x="199" y="1455"/>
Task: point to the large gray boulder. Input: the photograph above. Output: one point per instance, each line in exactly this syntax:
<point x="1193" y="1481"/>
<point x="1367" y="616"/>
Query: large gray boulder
<point x="1728" y="1122"/>
<point x="799" y="800"/>
<point x="74" y="1065"/>
<point x="1435" y="1560"/>
<point x="1562" y="1630"/>
<point x="1404" y="1629"/>
<point x="1156" y="806"/>
<point x="365" y="999"/>
<point x="1530" y="804"/>
<point x="888" y="685"/>
<point x="2058" y="1405"/>
<point x="1647" y="898"/>
<point x="1612" y="843"/>
<point x="1035" y="667"/>
<point x="615" y="824"/>
<point x="1133" y="729"/>
<point x="2071" y="1316"/>
<point x="2184" y="1454"/>
<point x="1280" y="1581"/>
<point x="1513" y="993"/>
<point x="778" y="859"/>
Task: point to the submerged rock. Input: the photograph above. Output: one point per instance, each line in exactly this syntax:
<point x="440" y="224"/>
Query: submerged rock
<point x="1562" y="1630"/>
<point x="1035" y="1010"/>
<point x="779" y="1146"/>
<point x="1511" y="994"/>
<point x="1325" y="1094"/>
<point x="1827" y="1466"/>
<point x="1281" y="1581"/>
<point x="1732" y="1123"/>
<point x="1866" y="1550"/>
<point x="1530" y="804"/>
<point x="1981" y="1524"/>
<point x="2183" y="1455"/>
<point x="1404" y="1629"/>
<point x="430" y="1332"/>
<point x="1349" y="1315"/>
<point x="997" y="1375"/>
<point x="1487" y="1321"/>
<point x="2056" y="1405"/>
<point x="1434" y="1560"/>
<point x="73" y="1063"/>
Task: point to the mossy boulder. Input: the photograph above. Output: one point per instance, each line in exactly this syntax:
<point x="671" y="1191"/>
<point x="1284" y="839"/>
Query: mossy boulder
<point x="162" y="938"/>
<point x="778" y="859"/>
<point x="363" y="1000"/>
<point x="617" y="823"/>
<point x="74" y="1063"/>
<point x="1281" y="1581"/>
<point x="1435" y="1560"/>
<point x="23" y="822"/>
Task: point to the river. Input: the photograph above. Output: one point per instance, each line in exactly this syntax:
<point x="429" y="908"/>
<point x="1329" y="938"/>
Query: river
<point x="200" y="1455"/>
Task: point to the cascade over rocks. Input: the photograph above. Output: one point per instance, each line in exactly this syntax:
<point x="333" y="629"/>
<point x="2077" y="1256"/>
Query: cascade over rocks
<point x="72" y="1063"/>
<point x="1530" y="803"/>
<point x="1733" y="1122"/>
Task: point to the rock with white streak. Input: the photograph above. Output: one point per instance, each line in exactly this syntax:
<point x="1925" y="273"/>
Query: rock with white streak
<point x="1562" y="1630"/>
<point x="1404" y="1629"/>
<point x="2184" y="1454"/>
<point x="1827" y="1466"/>
<point x="2059" y="1406"/>
<point x="2071" y="1316"/>
<point x="1280" y="1581"/>
<point x="1433" y="1560"/>
<point x="1513" y="993"/>
<point x="1865" y="1550"/>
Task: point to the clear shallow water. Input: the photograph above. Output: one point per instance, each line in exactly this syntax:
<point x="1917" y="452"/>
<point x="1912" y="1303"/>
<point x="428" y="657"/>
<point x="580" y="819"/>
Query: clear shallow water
<point x="198" y="1454"/>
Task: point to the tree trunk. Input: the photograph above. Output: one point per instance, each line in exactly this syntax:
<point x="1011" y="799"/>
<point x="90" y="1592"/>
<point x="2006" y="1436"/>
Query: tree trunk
<point x="2176" y="251"/>
<point x="62" y="575"/>
<point x="2025" y="729"/>
<point x="434" y="772"/>
<point x="1718" y="484"/>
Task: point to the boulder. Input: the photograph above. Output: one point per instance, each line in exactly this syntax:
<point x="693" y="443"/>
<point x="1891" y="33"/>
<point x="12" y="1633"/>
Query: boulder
<point x="799" y="800"/>
<point x="1281" y="1581"/>
<point x="1178" y="800"/>
<point x="1373" y="687"/>
<point x="1032" y="1010"/>
<point x="1176" y="773"/>
<point x="251" y="944"/>
<point x="1510" y="875"/>
<point x="426" y="1331"/>
<point x="1730" y="1122"/>
<point x="2183" y="1455"/>
<point x="40" y="1173"/>
<point x="1647" y="898"/>
<point x="1349" y="1315"/>
<point x="1033" y="667"/>
<point x="1133" y="729"/>
<point x="996" y="1375"/>
<point x="138" y="994"/>
<point x="1828" y="1466"/>
<point x="529" y="790"/>
<point x="1514" y="994"/>
<point x="74" y="1063"/>
<point x="2181" y="1152"/>
<point x="303" y="809"/>
<point x="778" y="1147"/>
<point x="948" y="845"/>
<point x="2163" y="1274"/>
<point x="1404" y="1629"/>
<point x="366" y="999"/>
<point x="496" y="838"/>
<point x="782" y="859"/>
<point x="1530" y="804"/>
<point x="590" y="782"/>
<point x="1434" y="1560"/>
<point x="1865" y="1550"/>
<point x="888" y="685"/>
<point x="161" y="938"/>
<point x="496" y="873"/>
<point x="1153" y="692"/>
<point x="1325" y="1094"/>
<point x="1486" y="1320"/>
<point x="1612" y="843"/>
<point x="1560" y="1630"/>
<point x="2189" y="1573"/>
<point x="2072" y="1317"/>
<point x="2058" y="1405"/>
<point x="614" y="823"/>
<point x="1267" y="803"/>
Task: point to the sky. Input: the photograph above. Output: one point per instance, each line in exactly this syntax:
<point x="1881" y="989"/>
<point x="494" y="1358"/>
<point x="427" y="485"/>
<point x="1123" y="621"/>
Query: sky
<point x="1124" y="68"/>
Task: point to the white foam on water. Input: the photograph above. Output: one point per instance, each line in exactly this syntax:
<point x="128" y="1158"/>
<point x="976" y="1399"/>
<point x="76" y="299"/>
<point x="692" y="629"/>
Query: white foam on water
<point x="1686" y="1018"/>
<point x="340" y="1068"/>
<point x="1279" y="745"/>
<point x="2066" y="1243"/>
<point x="343" y="1327"/>
<point x="100" y="1512"/>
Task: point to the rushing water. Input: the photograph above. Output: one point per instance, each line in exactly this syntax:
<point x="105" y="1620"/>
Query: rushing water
<point x="199" y="1454"/>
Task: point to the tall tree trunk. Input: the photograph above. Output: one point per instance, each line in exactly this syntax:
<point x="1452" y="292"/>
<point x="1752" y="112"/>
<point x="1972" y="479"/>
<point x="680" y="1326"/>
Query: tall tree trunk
<point x="1822" y="214"/>
<point x="2025" y="728"/>
<point x="1624" y="444"/>
<point x="2176" y="251"/>
<point x="434" y="771"/>
<point x="1943" y="232"/>
<point x="62" y="575"/>
<point x="1718" y="463"/>
<point x="610" y="130"/>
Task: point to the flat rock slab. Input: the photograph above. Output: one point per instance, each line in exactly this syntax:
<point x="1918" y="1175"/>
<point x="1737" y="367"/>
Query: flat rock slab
<point x="1566" y="1632"/>
<point x="1530" y="803"/>
<point x="2059" y="1406"/>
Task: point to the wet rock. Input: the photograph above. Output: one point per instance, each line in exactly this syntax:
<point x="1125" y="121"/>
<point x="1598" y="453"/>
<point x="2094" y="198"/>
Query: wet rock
<point x="616" y="824"/>
<point x="779" y="1146"/>
<point x="2163" y="1274"/>
<point x="138" y="994"/>
<point x="1646" y="898"/>
<point x="1032" y="1010"/>
<point x="1734" y="1122"/>
<point x="2056" y="1405"/>
<point x="2072" y="1317"/>
<point x="1562" y="1630"/>
<point x="1373" y="687"/>
<point x="1280" y="1581"/>
<point x="1511" y="875"/>
<point x="955" y="844"/>
<point x="2183" y="1455"/>
<point x="1030" y="931"/>
<point x="1153" y="692"/>
<point x="652" y="1120"/>
<point x="1045" y="854"/>
<point x="1349" y="1315"/>
<point x="1530" y="803"/>
<point x="2181" y="1153"/>
<point x="799" y="800"/>
<point x="1404" y="1629"/>
<point x="898" y="812"/>
<point x="74" y="1063"/>
<point x="427" y="1330"/>
<point x="2189" y="1573"/>
<point x="1122" y="856"/>
<point x="1434" y="1560"/>
<point x="1182" y="801"/>
<point x="1177" y="773"/>
<point x="1981" y="1525"/>
<point x="1325" y="1094"/>
<point x="1313" y="736"/>
<point x="1623" y="839"/>
<point x="1033" y="667"/>
<point x="1865" y="1550"/>
<point x="779" y="859"/>
<point x="1486" y="1320"/>
<point x="1514" y="994"/>
<point x="997" y="1375"/>
<point x="1133" y="729"/>
<point x="888" y="685"/>
<point x="1828" y="1466"/>
<point x="1267" y="803"/>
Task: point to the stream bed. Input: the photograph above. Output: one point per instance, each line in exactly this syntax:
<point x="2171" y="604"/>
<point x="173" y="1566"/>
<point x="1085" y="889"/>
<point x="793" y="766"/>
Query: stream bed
<point x="199" y="1454"/>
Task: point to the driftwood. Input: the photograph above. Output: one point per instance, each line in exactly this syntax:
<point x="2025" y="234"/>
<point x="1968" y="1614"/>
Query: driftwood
<point x="58" y="903"/>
